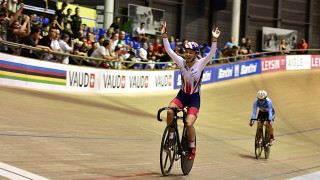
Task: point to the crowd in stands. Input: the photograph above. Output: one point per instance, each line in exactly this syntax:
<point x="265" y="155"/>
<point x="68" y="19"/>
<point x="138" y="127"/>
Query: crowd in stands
<point x="65" y="33"/>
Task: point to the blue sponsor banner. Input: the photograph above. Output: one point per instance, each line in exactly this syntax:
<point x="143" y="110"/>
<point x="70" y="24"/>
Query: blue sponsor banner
<point x="235" y="70"/>
<point x="224" y="72"/>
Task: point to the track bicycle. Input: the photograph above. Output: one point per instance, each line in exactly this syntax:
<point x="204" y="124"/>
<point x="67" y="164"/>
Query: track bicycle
<point x="262" y="140"/>
<point x="172" y="149"/>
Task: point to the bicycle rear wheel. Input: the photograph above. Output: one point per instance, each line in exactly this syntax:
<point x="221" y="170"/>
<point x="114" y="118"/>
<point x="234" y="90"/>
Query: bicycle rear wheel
<point x="186" y="164"/>
<point x="267" y="146"/>
<point x="168" y="150"/>
<point x="258" y="145"/>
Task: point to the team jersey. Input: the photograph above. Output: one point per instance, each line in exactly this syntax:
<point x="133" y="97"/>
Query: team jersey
<point x="265" y="107"/>
<point x="190" y="77"/>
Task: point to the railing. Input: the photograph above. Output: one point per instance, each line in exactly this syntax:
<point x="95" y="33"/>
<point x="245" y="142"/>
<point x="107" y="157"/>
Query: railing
<point x="41" y="52"/>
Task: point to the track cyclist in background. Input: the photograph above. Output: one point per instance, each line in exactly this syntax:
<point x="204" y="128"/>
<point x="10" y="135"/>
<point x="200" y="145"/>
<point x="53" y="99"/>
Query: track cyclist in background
<point x="191" y="70"/>
<point x="266" y="111"/>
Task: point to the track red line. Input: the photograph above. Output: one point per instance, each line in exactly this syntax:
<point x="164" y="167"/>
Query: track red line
<point x="124" y="176"/>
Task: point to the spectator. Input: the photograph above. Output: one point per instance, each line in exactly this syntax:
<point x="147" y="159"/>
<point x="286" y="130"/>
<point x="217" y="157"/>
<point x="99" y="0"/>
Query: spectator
<point x="84" y="30"/>
<point x="302" y="44"/>
<point x="50" y="41"/>
<point x="182" y="49"/>
<point x="116" y="24"/>
<point x="131" y="57"/>
<point x="80" y="49"/>
<point x="32" y="41"/>
<point x="143" y="54"/>
<point x="248" y="46"/>
<point x="60" y="14"/>
<point x="33" y="21"/>
<point x="15" y="31"/>
<point x="108" y="34"/>
<point x="12" y="5"/>
<point x="54" y="23"/>
<point x="92" y="35"/>
<point x="63" y="42"/>
<point x="156" y="47"/>
<point x="121" y="57"/>
<point x="113" y="43"/>
<point x="235" y="52"/>
<point x="5" y="24"/>
<point x="151" y="57"/>
<point x="203" y="51"/>
<point x="66" y="21"/>
<point x="139" y="34"/>
<point x="230" y="44"/>
<point x="284" y="47"/>
<point x="103" y="53"/>
<point x="45" y="30"/>
<point x="243" y="41"/>
<point x="176" y="45"/>
<point x="67" y="28"/>
<point x="89" y="44"/>
<point x="121" y="41"/>
<point x="243" y="51"/>
<point x="76" y="23"/>
<point x="172" y="42"/>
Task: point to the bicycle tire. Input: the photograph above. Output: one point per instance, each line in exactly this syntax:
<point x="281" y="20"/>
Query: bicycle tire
<point x="267" y="146"/>
<point x="186" y="164"/>
<point x="258" y="145"/>
<point x="167" y="152"/>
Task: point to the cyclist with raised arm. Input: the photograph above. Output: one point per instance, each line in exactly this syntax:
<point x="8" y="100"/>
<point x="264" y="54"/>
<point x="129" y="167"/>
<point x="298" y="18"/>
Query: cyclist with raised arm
<point x="266" y="111"/>
<point x="191" y="71"/>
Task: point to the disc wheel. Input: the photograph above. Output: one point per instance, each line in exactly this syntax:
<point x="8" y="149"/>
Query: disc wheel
<point x="168" y="150"/>
<point x="186" y="164"/>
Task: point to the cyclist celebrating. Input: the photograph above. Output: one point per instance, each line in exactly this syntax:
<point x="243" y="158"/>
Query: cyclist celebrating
<point x="266" y="111"/>
<point x="191" y="75"/>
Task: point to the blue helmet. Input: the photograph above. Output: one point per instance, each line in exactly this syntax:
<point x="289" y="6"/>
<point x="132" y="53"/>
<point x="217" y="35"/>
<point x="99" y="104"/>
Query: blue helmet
<point x="192" y="45"/>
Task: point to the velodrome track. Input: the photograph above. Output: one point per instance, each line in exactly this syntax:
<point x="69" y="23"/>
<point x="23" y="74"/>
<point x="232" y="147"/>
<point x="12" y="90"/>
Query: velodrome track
<point x="80" y="136"/>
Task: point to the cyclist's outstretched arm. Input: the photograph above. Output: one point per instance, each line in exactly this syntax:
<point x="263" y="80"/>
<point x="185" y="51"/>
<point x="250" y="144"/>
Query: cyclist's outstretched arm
<point x="177" y="59"/>
<point x="204" y="61"/>
<point x="255" y="107"/>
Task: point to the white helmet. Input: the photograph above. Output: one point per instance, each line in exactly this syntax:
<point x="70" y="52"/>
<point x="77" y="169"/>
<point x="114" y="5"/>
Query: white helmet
<point x="262" y="94"/>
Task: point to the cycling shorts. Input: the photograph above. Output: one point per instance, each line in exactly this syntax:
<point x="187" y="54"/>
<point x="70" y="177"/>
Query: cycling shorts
<point x="192" y="101"/>
<point x="265" y="115"/>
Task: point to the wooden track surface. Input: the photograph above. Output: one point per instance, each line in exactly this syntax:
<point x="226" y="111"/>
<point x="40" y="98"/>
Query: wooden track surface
<point x="79" y="136"/>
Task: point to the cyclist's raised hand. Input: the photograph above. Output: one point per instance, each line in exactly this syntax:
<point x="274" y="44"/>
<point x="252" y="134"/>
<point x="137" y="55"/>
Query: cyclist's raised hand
<point x="215" y="34"/>
<point x="163" y="29"/>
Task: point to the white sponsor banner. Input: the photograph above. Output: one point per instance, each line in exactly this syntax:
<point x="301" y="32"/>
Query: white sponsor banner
<point x="297" y="62"/>
<point x="114" y="81"/>
<point x="83" y="79"/>
<point x="30" y="73"/>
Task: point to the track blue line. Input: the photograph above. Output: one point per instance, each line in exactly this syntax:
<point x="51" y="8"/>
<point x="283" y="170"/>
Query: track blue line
<point x="126" y="139"/>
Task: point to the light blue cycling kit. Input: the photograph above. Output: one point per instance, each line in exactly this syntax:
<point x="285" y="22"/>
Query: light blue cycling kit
<point x="265" y="107"/>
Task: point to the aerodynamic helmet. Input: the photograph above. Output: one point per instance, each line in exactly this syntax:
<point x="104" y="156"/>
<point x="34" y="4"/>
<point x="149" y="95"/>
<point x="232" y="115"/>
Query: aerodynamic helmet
<point x="192" y="45"/>
<point x="262" y="94"/>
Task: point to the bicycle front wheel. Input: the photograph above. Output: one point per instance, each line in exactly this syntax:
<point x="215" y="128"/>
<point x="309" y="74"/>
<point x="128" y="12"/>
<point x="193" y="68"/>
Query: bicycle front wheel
<point x="267" y="145"/>
<point x="258" y="145"/>
<point x="168" y="150"/>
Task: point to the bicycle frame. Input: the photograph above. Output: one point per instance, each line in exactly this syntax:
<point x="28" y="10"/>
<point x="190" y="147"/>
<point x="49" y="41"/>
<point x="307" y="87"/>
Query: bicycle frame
<point x="264" y="134"/>
<point x="175" y="123"/>
<point x="181" y="146"/>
